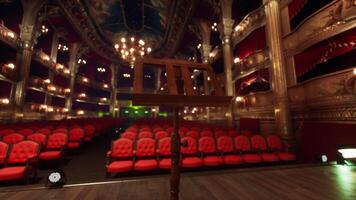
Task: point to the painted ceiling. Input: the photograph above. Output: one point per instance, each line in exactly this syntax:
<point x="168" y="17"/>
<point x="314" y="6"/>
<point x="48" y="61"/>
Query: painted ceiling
<point x="145" y="19"/>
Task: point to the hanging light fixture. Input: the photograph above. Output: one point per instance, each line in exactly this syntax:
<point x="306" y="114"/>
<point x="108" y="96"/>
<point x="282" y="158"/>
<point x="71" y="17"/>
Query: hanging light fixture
<point x="130" y="49"/>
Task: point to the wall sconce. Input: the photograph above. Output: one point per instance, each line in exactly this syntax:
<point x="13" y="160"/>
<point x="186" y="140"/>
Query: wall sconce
<point x="82" y="61"/>
<point x="4" y="101"/>
<point x="44" y="29"/>
<point x="10" y="34"/>
<point x="67" y="90"/>
<point x="80" y="112"/>
<point x="105" y="85"/>
<point x="82" y="95"/>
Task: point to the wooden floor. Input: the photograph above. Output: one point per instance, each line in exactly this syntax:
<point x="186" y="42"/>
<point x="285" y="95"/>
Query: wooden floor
<point x="318" y="182"/>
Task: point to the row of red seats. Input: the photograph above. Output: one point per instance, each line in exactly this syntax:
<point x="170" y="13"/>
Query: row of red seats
<point x="144" y="155"/>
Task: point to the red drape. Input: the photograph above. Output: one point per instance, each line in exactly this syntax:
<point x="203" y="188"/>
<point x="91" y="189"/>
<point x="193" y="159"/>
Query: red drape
<point x="295" y="7"/>
<point x="255" y="41"/>
<point x="321" y="52"/>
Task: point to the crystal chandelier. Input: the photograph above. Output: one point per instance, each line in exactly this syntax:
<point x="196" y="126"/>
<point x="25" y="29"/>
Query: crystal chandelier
<point x="130" y="49"/>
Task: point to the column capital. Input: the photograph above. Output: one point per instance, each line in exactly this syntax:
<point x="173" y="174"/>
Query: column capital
<point x="205" y="51"/>
<point x="227" y="25"/>
<point x="27" y="36"/>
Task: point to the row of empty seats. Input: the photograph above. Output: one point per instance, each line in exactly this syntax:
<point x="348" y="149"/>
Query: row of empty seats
<point x="147" y="154"/>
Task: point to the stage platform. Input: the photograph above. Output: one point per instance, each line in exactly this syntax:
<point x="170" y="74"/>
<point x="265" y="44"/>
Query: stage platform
<point x="332" y="182"/>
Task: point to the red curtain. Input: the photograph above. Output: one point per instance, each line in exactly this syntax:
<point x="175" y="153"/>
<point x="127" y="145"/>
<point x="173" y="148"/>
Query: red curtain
<point x="321" y="52"/>
<point x="295" y="7"/>
<point x="255" y="41"/>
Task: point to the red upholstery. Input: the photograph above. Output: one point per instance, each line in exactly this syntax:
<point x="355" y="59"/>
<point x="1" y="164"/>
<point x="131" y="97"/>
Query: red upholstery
<point x="226" y="146"/>
<point x="25" y="132"/>
<point x="122" y="148"/>
<point x="89" y="132"/>
<point x="145" y="134"/>
<point x="145" y="149"/>
<point x="129" y="135"/>
<point x="219" y="133"/>
<point x="57" y="141"/>
<point x="197" y="129"/>
<point x="22" y="151"/>
<point x="44" y="131"/>
<point x="246" y="133"/>
<point x="4" y="148"/>
<point x="275" y="143"/>
<point x="120" y="166"/>
<point x="242" y="144"/>
<point x="208" y="148"/>
<point x="145" y="129"/>
<point x="13" y="138"/>
<point x="190" y="153"/>
<point x="164" y="150"/>
<point x="49" y="155"/>
<point x="76" y="136"/>
<point x="157" y="129"/>
<point x="232" y="133"/>
<point x="184" y="129"/>
<point x="6" y="132"/>
<point x="161" y="134"/>
<point x="12" y="173"/>
<point x="61" y="130"/>
<point x="38" y="137"/>
<point x="170" y="130"/>
<point x="132" y="129"/>
<point x="193" y="134"/>
<point x="206" y="133"/>
<point x="259" y="144"/>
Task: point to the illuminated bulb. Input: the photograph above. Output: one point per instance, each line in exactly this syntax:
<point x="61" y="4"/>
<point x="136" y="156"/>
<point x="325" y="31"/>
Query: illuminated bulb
<point x="142" y="53"/>
<point x="116" y="109"/>
<point x="185" y="111"/>
<point x="45" y="57"/>
<point x="132" y="39"/>
<point x="47" y="81"/>
<point x="105" y="86"/>
<point x="123" y="40"/>
<point x="132" y="50"/>
<point x="215" y="24"/>
<point x="238" y="99"/>
<point x="67" y="90"/>
<point x="192" y="76"/>
<point x="141" y="42"/>
<point x="10" y="34"/>
<point x="10" y="65"/>
<point x="208" y="78"/>
<point x="354" y="71"/>
<point x="162" y="88"/>
<point x="194" y="88"/>
<point x="80" y="112"/>
<point x="149" y="49"/>
<point x="237" y="28"/>
<point x="211" y="55"/>
<point x="50" y="109"/>
<point x="85" y="80"/>
<point x="153" y="109"/>
<point x="65" y="109"/>
<point x="66" y="71"/>
<point x="237" y="60"/>
<point x="5" y="101"/>
<point x="199" y="45"/>
<point x="59" y="66"/>
<point x="82" y="95"/>
<point x="124" y="46"/>
<point x="116" y="46"/>
<point x="103" y="99"/>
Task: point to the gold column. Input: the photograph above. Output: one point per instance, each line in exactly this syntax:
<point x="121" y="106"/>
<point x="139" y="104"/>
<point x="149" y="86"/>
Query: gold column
<point x="278" y="72"/>
<point x="227" y="27"/>
<point x="113" y="98"/>
<point x="54" y="52"/>
<point x="23" y="62"/>
<point x="206" y="48"/>
<point x="73" y="65"/>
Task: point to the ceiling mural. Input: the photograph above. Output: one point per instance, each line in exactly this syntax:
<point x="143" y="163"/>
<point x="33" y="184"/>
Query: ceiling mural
<point x="146" y="19"/>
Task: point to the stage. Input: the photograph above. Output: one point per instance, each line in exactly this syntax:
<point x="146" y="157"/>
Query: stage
<point x="282" y="182"/>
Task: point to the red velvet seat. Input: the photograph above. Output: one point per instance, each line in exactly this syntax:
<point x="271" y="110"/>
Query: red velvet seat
<point x="120" y="157"/>
<point x="145" y="134"/>
<point x="21" y="162"/>
<point x="55" y="145"/>
<point x="232" y="133"/>
<point x="197" y="129"/>
<point x="208" y="149"/>
<point x="164" y="153"/>
<point x="161" y="134"/>
<point x="44" y="131"/>
<point x="145" y="155"/>
<point x="4" y="149"/>
<point x="170" y="130"/>
<point x="259" y="144"/>
<point x="13" y="138"/>
<point x="157" y="129"/>
<point x="6" y="132"/>
<point x="129" y="135"/>
<point x="225" y="145"/>
<point x="38" y="137"/>
<point x="206" y="133"/>
<point x="145" y="129"/>
<point x="243" y="145"/>
<point x="25" y="132"/>
<point x="89" y="132"/>
<point x="76" y="137"/>
<point x="190" y="158"/>
<point x="246" y="133"/>
<point x="275" y="144"/>
<point x="193" y="134"/>
<point x="219" y="133"/>
<point x="60" y="130"/>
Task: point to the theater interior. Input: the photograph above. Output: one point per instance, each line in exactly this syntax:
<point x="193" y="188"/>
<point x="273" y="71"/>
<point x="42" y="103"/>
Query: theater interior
<point x="178" y="99"/>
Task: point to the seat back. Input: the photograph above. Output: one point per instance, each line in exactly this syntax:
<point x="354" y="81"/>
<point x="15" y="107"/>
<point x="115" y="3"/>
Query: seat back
<point x="122" y="148"/>
<point x="89" y="129"/>
<point x="184" y="129"/>
<point x="145" y="147"/>
<point x="6" y="131"/>
<point x="145" y="134"/>
<point x="207" y="145"/>
<point x="219" y="133"/>
<point x="161" y="134"/>
<point x="197" y="129"/>
<point x="246" y="133"/>
<point x="60" y="130"/>
<point x="22" y="151"/>
<point x="274" y="142"/>
<point x="145" y="129"/>
<point x="190" y="148"/>
<point x="242" y="143"/>
<point x="132" y="129"/>
<point x="258" y="143"/>
<point x="76" y="134"/>
<point x="206" y="133"/>
<point x="13" y="138"/>
<point x="164" y="146"/>
<point x="57" y="141"/>
<point x="129" y="135"/>
<point x="4" y="148"/>
<point x="232" y="133"/>
<point x="170" y="130"/>
<point x="157" y="129"/>
<point x="225" y="144"/>
<point x="38" y="137"/>
<point x="44" y="131"/>
<point x="193" y="134"/>
<point x="25" y="132"/>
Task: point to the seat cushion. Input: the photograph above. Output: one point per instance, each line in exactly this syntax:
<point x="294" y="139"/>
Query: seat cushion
<point x="192" y="162"/>
<point x="146" y="165"/>
<point x="213" y="160"/>
<point x="165" y="163"/>
<point x="285" y="156"/>
<point x="269" y="157"/>
<point x="48" y="155"/>
<point x="120" y="166"/>
<point x="2" y="160"/>
<point x="73" y="145"/>
<point x="251" y="158"/>
<point x="232" y="159"/>
<point x="12" y="173"/>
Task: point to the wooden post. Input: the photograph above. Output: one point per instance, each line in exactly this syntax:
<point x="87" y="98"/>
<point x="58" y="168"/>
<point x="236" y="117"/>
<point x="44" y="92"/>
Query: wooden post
<point x="175" y="167"/>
